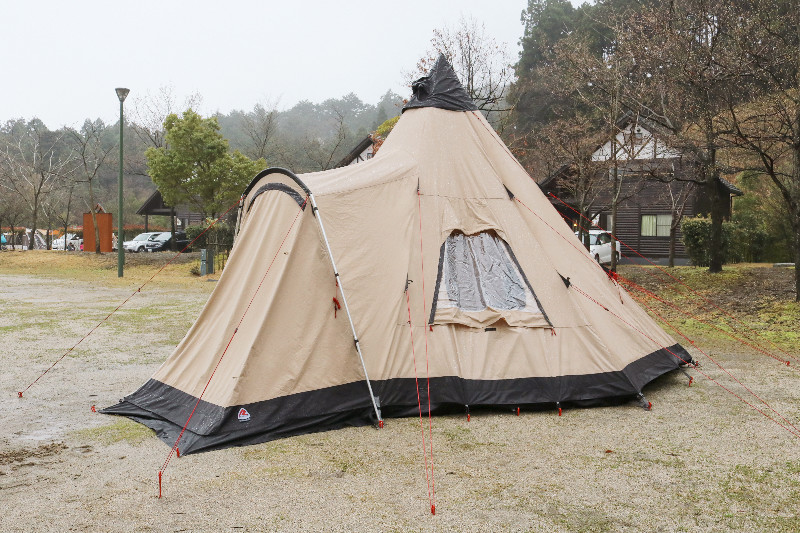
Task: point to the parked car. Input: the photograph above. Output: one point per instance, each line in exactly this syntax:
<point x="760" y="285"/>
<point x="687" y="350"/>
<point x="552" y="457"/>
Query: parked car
<point x="163" y="242"/>
<point x="139" y="243"/>
<point x="73" y="242"/>
<point x="600" y="246"/>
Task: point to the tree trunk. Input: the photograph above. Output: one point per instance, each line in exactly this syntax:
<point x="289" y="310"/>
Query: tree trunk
<point x="172" y="228"/>
<point x="797" y="262"/>
<point x="614" y="231"/>
<point x="716" y="256"/>
<point x="672" y="234"/>
<point x="32" y="239"/>
<point x="93" y="211"/>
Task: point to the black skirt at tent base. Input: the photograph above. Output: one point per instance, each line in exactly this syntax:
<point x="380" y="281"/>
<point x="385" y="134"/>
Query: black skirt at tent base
<point x="212" y="427"/>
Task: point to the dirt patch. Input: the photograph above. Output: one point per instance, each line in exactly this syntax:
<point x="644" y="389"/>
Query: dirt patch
<point x="20" y="455"/>
<point x="736" y="289"/>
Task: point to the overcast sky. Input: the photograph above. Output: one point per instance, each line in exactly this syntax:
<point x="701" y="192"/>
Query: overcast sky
<point x="61" y="61"/>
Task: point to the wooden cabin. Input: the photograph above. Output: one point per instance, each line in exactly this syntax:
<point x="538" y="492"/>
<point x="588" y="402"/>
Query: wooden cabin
<point x="656" y="188"/>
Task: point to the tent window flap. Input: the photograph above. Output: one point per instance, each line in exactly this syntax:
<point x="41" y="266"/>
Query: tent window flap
<point x="480" y="282"/>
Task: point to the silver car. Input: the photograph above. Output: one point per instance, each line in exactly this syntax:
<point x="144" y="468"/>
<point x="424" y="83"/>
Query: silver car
<point x="139" y="243"/>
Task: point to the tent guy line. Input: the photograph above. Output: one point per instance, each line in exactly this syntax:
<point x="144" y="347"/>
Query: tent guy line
<point x="432" y="495"/>
<point x="713" y="360"/>
<point x="681" y="282"/>
<point x="126" y="300"/>
<point x="227" y="346"/>
<point x="757" y="347"/>
<point x="419" y="400"/>
<point x="791" y="428"/>
<point x="744" y="341"/>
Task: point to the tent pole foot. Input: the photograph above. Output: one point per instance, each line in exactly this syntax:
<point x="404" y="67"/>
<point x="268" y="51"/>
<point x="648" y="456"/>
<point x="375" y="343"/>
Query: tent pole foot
<point x="647" y="406"/>
<point x="685" y="373"/>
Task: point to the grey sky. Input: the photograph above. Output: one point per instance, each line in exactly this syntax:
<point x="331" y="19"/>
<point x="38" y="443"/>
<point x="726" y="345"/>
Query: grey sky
<point x="62" y="60"/>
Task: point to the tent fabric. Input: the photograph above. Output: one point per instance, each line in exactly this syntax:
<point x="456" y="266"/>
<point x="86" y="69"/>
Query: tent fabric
<point x="290" y="363"/>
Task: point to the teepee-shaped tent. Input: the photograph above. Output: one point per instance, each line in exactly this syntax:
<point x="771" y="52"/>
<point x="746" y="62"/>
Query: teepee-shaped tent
<point x="440" y="252"/>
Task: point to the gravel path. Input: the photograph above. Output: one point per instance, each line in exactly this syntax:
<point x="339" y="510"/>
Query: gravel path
<point x="701" y="460"/>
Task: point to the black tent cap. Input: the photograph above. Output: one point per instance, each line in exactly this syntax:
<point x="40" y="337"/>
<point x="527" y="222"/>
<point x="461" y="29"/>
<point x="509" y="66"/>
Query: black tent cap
<point x="440" y="88"/>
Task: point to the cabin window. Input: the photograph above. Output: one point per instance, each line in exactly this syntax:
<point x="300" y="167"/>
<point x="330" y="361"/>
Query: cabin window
<point x="480" y="282"/>
<point x="656" y="225"/>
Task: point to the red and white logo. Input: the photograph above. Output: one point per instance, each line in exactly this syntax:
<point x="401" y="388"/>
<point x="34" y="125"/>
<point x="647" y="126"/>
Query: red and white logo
<point x="244" y="416"/>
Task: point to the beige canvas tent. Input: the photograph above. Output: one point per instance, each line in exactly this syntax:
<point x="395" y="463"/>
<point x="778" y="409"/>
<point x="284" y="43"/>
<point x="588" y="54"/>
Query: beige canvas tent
<point x="442" y="238"/>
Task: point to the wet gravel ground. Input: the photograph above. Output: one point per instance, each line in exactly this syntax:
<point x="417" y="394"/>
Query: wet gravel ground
<point x="701" y="460"/>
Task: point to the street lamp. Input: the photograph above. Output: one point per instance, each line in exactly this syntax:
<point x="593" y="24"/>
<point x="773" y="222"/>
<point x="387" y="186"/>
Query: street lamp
<point x="121" y="94"/>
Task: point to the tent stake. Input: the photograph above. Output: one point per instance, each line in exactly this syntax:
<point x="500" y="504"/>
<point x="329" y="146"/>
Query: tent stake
<point x="315" y="210"/>
<point x="647" y="406"/>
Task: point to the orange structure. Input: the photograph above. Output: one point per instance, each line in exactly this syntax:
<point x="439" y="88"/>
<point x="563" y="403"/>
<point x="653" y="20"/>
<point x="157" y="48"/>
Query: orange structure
<point x="105" y="224"/>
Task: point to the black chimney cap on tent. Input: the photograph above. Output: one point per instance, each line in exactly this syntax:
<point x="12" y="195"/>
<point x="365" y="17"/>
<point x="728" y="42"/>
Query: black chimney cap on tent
<point x="440" y="88"/>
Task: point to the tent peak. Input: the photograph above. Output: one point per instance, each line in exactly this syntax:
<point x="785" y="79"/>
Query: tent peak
<point x="440" y="88"/>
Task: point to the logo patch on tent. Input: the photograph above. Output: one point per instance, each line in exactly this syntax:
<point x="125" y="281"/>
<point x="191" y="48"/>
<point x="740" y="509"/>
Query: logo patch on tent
<point x="244" y="416"/>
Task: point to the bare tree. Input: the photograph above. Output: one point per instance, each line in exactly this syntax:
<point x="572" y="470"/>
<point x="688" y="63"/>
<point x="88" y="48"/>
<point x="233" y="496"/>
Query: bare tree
<point x="260" y="126"/>
<point x="573" y="140"/>
<point x="764" y="131"/>
<point x="323" y="154"/>
<point x="12" y="211"/>
<point x="59" y="206"/>
<point x="482" y="64"/>
<point x="682" y="48"/>
<point x="149" y="111"/>
<point x="33" y="161"/>
<point x="90" y="155"/>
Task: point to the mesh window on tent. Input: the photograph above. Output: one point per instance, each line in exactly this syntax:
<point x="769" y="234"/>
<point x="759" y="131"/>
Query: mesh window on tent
<point x="480" y="274"/>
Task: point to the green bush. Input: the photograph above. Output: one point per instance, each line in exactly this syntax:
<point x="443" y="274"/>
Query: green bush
<point x="386" y="128"/>
<point x="697" y="240"/>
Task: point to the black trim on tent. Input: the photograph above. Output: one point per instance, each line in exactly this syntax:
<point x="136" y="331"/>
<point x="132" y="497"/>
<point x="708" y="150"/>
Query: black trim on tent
<point x="440" y="88"/>
<point x="165" y="409"/>
<point x="438" y="282"/>
<point x="278" y="187"/>
<point x="276" y="170"/>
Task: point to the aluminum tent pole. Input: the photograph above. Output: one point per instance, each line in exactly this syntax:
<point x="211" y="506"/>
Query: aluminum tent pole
<point x="315" y="211"/>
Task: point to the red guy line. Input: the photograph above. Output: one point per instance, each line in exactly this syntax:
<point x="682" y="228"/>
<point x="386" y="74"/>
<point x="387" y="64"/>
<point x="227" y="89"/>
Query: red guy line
<point x="124" y="301"/>
<point x="427" y="366"/>
<point x="235" y="331"/>
<point x="745" y="326"/>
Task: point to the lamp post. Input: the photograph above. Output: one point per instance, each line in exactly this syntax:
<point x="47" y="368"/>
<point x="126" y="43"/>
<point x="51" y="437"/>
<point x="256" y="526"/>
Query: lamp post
<point x="121" y="94"/>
